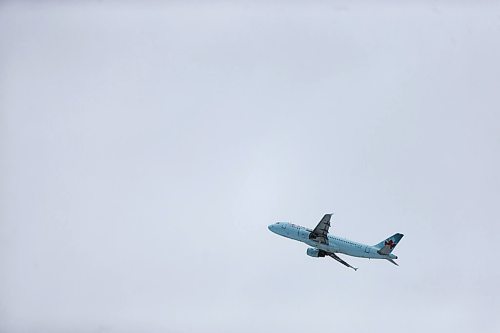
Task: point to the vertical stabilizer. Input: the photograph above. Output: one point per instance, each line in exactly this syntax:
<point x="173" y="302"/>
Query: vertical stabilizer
<point x="386" y="246"/>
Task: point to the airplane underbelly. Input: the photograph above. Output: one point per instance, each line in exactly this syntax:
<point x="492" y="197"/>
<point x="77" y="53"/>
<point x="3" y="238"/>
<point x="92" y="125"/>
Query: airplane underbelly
<point x="355" y="252"/>
<point x="324" y="247"/>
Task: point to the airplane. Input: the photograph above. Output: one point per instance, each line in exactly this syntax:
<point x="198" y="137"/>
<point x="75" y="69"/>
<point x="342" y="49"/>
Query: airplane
<point x="324" y="244"/>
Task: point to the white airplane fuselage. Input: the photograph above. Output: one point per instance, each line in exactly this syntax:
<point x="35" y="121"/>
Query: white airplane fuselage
<point x="335" y="244"/>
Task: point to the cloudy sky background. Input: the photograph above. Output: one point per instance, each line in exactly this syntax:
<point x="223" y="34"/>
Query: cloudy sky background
<point x="145" y="147"/>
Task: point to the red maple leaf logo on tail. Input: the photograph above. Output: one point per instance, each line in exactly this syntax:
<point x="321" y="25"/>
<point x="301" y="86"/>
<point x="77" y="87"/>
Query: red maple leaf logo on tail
<point x="391" y="243"/>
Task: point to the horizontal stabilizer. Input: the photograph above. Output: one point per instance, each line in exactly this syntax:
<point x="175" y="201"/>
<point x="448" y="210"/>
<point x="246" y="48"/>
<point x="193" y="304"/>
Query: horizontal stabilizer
<point x="395" y="263"/>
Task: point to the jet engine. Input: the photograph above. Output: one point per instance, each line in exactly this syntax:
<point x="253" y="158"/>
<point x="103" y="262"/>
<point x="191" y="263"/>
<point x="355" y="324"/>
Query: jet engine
<point x="312" y="252"/>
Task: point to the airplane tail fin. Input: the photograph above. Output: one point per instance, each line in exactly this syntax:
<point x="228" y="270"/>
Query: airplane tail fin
<point x="386" y="246"/>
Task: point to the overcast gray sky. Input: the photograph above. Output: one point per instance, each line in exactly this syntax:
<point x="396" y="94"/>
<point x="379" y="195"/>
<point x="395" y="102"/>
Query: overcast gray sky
<point x="145" y="147"/>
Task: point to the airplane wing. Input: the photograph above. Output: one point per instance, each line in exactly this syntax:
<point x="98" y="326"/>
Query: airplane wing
<point x="320" y="233"/>
<point x="336" y="257"/>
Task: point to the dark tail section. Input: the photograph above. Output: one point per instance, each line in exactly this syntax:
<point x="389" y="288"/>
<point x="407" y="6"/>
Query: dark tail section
<point x="386" y="246"/>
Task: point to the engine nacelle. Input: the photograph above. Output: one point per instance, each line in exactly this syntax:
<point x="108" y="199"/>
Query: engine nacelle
<point x="316" y="253"/>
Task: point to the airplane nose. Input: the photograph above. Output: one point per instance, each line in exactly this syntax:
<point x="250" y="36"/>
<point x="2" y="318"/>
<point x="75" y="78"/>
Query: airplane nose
<point x="270" y="227"/>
